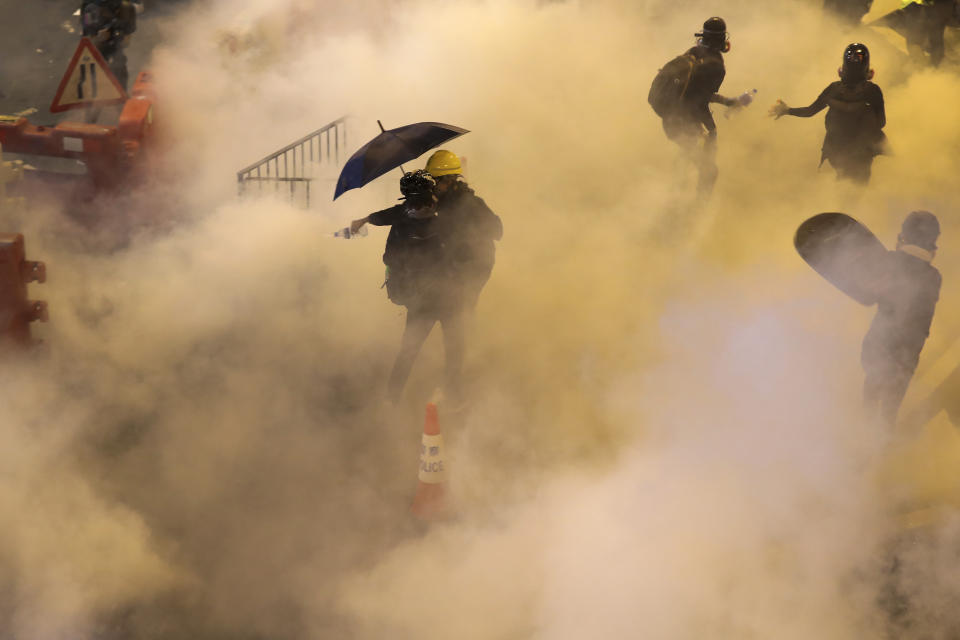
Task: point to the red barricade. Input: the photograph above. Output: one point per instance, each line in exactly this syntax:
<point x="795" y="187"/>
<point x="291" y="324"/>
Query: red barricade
<point x="111" y="153"/>
<point x="16" y="311"/>
<point x="136" y="119"/>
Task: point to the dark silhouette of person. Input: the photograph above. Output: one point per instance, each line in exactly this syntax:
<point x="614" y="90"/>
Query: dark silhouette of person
<point x="689" y="122"/>
<point x="923" y="23"/>
<point x="438" y="255"/>
<point x="468" y="227"/>
<point x="909" y="287"/>
<point x="855" y="117"/>
<point x="109" y="24"/>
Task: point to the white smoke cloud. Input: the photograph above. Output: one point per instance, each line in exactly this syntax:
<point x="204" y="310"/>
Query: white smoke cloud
<point x="664" y="437"/>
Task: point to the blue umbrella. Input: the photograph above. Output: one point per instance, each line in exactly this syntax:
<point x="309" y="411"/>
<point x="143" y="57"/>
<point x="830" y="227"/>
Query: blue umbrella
<point x="390" y="150"/>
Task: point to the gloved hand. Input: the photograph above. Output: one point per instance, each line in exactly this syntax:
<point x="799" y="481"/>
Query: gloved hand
<point x="779" y="109"/>
<point x="745" y="99"/>
<point x="357" y="224"/>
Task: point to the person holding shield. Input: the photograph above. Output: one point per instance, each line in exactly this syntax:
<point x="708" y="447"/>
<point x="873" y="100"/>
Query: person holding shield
<point x="907" y="294"/>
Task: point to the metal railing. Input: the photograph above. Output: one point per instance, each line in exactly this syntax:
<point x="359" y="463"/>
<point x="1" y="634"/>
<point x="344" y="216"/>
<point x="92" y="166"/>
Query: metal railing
<point x="294" y="165"/>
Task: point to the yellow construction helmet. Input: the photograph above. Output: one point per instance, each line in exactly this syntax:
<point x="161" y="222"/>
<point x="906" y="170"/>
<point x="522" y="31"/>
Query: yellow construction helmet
<point x="443" y="163"/>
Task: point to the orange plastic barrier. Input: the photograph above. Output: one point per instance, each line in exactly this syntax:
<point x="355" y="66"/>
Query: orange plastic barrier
<point x="110" y="152"/>
<point x="136" y="119"/>
<point x="16" y="311"/>
<point x="66" y="140"/>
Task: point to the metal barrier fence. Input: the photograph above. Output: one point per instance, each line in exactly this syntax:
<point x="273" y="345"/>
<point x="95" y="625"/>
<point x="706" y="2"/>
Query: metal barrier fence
<point x="294" y="164"/>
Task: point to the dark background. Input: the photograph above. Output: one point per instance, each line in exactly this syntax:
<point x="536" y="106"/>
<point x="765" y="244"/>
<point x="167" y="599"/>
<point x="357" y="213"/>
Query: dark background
<point x="36" y="45"/>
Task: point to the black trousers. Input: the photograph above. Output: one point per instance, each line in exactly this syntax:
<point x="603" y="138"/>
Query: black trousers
<point x="855" y="167"/>
<point x="699" y="146"/>
<point x="884" y="388"/>
<point x="420" y="321"/>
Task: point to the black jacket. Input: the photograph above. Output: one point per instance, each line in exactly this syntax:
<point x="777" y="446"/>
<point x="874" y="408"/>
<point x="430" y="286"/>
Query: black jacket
<point x="907" y="301"/>
<point x="468" y="229"/>
<point x="705" y="80"/>
<point x="444" y="259"/>
<point x="413" y="243"/>
<point x="417" y="274"/>
<point x="855" y="118"/>
<point x="119" y="16"/>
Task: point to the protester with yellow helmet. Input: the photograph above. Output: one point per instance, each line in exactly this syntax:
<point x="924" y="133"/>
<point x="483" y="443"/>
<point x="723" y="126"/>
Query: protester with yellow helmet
<point x="467" y="230"/>
<point x="444" y="163"/>
<point x="467" y="224"/>
<point x="439" y="255"/>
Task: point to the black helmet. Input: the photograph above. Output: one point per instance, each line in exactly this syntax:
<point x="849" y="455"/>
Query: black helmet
<point x="417" y="189"/>
<point x="714" y="34"/>
<point x="856" y="63"/>
<point x="416" y="184"/>
<point x="921" y="228"/>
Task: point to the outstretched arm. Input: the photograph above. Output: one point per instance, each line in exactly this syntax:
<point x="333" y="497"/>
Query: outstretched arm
<point x="725" y="101"/>
<point x="383" y="218"/>
<point x="781" y="108"/>
<point x="816" y="107"/>
<point x="357" y="224"/>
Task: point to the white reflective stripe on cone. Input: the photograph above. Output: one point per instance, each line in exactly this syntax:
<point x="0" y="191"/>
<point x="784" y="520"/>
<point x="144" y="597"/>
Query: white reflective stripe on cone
<point x="432" y="469"/>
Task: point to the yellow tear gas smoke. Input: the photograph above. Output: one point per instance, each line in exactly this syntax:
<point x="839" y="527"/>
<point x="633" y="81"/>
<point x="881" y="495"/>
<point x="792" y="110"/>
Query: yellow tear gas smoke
<point x="664" y="439"/>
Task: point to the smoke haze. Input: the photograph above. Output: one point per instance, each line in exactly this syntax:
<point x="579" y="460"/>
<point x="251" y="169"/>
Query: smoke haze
<point x="665" y="438"/>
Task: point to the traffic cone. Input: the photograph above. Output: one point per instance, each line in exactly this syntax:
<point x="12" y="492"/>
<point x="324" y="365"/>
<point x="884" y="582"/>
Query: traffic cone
<point x="430" y="502"/>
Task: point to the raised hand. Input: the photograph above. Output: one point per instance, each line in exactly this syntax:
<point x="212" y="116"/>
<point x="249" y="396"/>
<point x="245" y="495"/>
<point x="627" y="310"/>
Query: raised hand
<point x="779" y="109"/>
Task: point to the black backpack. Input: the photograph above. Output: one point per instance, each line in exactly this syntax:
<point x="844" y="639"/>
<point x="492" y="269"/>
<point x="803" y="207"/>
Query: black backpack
<point x="413" y="256"/>
<point x="670" y="84"/>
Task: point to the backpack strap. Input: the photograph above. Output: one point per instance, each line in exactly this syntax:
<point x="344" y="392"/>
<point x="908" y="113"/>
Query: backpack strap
<point x="692" y="60"/>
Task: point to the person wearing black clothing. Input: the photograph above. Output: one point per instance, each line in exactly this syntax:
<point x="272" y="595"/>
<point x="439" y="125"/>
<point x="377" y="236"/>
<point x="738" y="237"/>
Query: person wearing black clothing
<point x="922" y="23"/>
<point x="109" y="24"/>
<point x="925" y="33"/>
<point x="855" y="117"/>
<point x="468" y="227"/>
<point x="850" y="12"/>
<point x="907" y="299"/>
<point x="419" y="279"/>
<point x="690" y="124"/>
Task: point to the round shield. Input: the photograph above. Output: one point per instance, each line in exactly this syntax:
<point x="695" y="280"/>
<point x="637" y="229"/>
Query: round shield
<point x="844" y="252"/>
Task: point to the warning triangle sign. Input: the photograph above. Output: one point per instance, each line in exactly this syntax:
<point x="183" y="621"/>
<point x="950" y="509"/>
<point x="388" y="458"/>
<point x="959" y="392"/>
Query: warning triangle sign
<point x="88" y="81"/>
